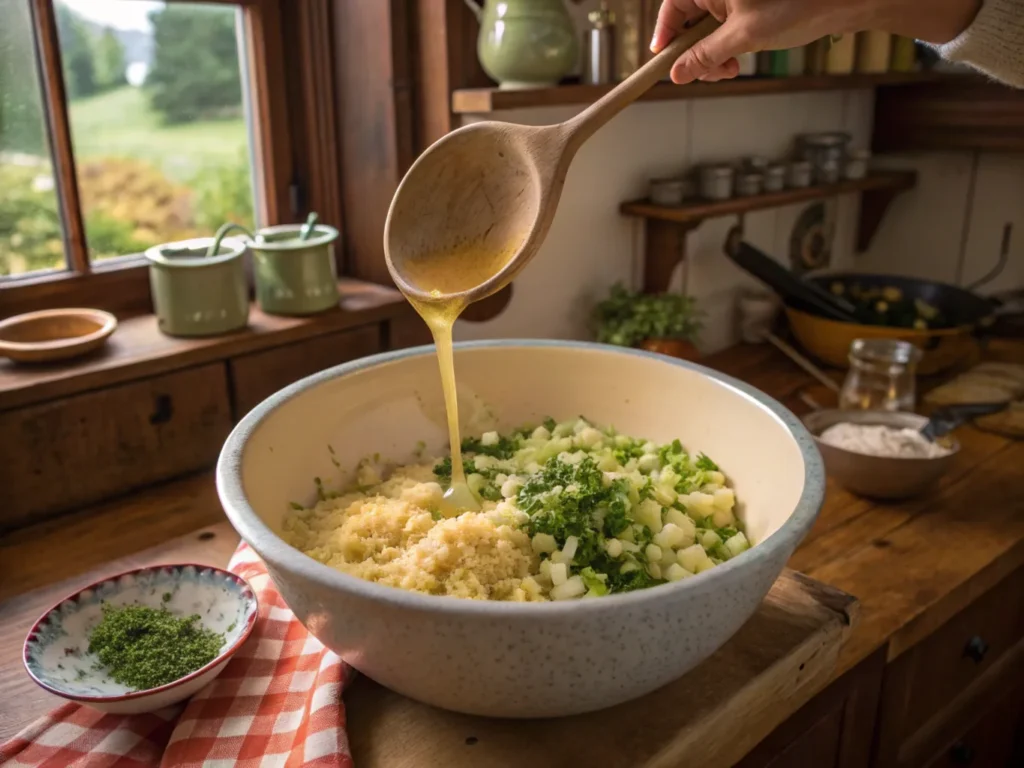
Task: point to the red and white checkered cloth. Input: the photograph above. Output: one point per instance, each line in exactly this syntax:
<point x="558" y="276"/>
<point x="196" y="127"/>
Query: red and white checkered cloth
<point x="277" y="703"/>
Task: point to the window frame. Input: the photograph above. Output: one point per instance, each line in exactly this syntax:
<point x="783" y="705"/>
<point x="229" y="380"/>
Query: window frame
<point x="122" y="285"/>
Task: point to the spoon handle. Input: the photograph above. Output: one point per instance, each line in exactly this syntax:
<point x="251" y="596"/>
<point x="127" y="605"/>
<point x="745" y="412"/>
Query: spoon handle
<point x="582" y="127"/>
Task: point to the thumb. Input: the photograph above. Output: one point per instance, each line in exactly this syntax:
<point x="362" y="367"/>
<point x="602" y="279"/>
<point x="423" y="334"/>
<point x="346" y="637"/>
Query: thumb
<point x="709" y="54"/>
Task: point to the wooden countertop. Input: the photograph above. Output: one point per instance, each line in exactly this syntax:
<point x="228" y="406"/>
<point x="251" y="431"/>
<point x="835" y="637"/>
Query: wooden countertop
<point x="911" y="565"/>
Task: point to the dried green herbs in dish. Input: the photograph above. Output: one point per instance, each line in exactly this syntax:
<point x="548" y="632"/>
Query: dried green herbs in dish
<point x="144" y="648"/>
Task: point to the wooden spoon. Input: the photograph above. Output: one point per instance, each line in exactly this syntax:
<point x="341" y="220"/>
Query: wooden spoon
<point x="476" y="206"/>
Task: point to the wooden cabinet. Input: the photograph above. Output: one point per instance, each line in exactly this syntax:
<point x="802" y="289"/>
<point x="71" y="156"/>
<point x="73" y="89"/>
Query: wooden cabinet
<point x="834" y="730"/>
<point x="991" y="742"/>
<point x="257" y="376"/>
<point x="72" y="451"/>
<point x="951" y="680"/>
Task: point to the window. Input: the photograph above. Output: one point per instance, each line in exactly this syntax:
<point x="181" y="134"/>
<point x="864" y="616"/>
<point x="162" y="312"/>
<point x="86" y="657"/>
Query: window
<point x="129" y="123"/>
<point x="31" y="239"/>
<point x="158" y="124"/>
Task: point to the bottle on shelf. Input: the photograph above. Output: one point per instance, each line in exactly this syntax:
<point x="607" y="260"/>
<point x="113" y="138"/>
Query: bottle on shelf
<point x="817" y="57"/>
<point x="904" y="54"/>
<point x="796" y="61"/>
<point x="873" y="52"/>
<point x="748" y="64"/>
<point x="841" y="55"/>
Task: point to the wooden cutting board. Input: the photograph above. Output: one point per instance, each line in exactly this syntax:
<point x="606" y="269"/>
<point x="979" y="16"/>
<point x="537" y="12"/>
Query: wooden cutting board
<point x="711" y="717"/>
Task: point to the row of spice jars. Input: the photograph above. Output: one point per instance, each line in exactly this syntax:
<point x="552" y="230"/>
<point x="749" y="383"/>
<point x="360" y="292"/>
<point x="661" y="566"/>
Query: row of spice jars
<point x="864" y="52"/>
<point x="820" y="159"/>
<point x="831" y="157"/>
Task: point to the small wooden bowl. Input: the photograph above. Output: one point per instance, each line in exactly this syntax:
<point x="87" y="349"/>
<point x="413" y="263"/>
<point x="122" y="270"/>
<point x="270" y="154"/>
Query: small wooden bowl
<point x="54" y="334"/>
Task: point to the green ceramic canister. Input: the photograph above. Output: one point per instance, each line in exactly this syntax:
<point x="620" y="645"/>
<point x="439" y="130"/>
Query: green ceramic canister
<point x="195" y="294"/>
<point x="294" y="276"/>
<point x="525" y="43"/>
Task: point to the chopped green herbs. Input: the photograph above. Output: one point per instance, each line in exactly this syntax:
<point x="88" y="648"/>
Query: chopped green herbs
<point x="144" y="648"/>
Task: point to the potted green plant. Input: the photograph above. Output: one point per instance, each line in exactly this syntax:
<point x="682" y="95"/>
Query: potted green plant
<point x="667" y="323"/>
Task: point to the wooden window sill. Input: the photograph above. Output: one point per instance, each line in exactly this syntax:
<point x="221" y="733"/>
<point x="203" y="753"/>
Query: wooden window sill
<point x="138" y="349"/>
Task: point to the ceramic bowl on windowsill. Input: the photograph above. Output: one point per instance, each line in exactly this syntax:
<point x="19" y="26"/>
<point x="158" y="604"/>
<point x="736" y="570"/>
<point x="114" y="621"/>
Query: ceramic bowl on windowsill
<point x="56" y="653"/>
<point x="51" y="335"/>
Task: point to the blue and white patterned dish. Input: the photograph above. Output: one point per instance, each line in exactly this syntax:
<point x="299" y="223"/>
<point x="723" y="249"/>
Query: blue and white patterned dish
<point x="56" y="649"/>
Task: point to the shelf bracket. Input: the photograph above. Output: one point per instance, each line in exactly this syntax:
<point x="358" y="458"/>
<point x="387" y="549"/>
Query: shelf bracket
<point x="873" y="205"/>
<point x="664" y="250"/>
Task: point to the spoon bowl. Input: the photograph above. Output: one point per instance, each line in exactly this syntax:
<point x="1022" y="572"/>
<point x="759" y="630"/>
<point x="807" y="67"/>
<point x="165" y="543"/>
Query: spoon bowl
<point x="475" y="207"/>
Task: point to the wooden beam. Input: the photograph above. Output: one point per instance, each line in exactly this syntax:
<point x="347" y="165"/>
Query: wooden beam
<point x="372" y="137"/>
<point x="266" y="62"/>
<point x="444" y="39"/>
<point x="308" y="35"/>
<point x="61" y="147"/>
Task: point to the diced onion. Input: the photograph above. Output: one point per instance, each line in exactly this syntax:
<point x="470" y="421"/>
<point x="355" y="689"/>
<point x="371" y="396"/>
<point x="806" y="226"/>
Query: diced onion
<point x="736" y="544"/>
<point x="559" y="574"/>
<point x="569" y="550"/>
<point x="676" y="572"/>
<point x="544" y="543"/>
<point x="671" y="536"/>
<point x="573" y="587"/>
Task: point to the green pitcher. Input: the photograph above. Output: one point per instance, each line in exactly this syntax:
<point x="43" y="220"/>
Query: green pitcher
<point x="525" y="43"/>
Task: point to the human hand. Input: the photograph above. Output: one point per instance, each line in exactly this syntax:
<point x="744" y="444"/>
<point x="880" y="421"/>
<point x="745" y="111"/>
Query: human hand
<point x="749" y="26"/>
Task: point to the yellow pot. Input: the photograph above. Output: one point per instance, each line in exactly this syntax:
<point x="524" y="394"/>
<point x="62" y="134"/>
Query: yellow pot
<point x="829" y="340"/>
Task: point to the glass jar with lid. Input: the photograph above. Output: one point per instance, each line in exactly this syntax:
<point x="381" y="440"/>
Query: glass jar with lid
<point x="882" y="376"/>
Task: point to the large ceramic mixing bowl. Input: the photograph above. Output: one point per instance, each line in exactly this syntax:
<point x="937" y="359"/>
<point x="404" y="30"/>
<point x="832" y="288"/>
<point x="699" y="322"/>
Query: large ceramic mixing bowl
<point x="521" y="659"/>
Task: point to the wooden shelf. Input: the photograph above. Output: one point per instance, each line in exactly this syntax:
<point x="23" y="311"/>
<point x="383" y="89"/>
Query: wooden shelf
<point x="970" y="114"/>
<point x="696" y="211"/>
<point x="667" y="227"/>
<point x="138" y="349"/>
<point x="482" y="100"/>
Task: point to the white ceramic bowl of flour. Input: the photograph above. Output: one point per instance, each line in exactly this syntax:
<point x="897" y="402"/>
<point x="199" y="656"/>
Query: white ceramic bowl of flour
<point x="880" y="477"/>
<point x="521" y="659"/>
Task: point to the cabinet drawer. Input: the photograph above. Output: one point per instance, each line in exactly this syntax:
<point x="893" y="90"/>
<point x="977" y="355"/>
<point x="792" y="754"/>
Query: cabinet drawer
<point x="78" y="450"/>
<point x="990" y="742"/>
<point x="922" y="686"/>
<point x="257" y="376"/>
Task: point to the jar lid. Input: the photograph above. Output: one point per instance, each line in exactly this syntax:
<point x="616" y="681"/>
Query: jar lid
<point x="192" y="253"/>
<point x="825" y="139"/>
<point x="720" y="170"/>
<point x="602" y="17"/>
<point x="285" y="237"/>
<point x="890" y="351"/>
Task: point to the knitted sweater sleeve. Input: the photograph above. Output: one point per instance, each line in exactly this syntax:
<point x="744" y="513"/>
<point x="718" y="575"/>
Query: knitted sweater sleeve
<point x="994" y="43"/>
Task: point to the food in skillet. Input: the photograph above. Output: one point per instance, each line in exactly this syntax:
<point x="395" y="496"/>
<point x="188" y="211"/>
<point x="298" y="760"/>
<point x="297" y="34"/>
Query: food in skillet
<point x="887" y="306"/>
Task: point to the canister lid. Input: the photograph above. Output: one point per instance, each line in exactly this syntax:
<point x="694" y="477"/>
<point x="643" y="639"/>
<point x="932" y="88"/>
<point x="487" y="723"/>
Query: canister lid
<point x="285" y="237"/>
<point x="192" y="253"/>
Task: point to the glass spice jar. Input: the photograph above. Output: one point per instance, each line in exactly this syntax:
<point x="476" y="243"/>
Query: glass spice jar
<point x="882" y="376"/>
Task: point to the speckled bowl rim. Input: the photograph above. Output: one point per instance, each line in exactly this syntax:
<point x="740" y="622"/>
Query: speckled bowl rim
<point x="271" y="547"/>
<point x="221" y="657"/>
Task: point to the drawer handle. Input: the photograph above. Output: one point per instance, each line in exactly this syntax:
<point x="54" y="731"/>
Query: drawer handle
<point x="976" y="649"/>
<point x="163" y="410"/>
<point x="962" y="754"/>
